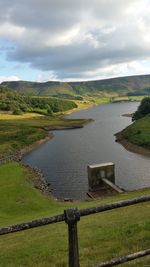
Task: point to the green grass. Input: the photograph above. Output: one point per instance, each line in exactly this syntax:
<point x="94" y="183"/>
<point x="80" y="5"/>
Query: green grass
<point x="138" y="133"/>
<point x="101" y="236"/>
<point x="22" y="200"/>
<point x="19" y="131"/>
<point x="99" y="100"/>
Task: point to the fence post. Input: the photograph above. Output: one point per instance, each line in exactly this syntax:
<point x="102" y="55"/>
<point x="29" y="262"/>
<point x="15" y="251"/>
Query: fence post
<point x="71" y="218"/>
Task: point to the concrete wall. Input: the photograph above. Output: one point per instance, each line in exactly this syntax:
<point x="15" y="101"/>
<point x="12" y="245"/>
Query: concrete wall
<point x="98" y="172"/>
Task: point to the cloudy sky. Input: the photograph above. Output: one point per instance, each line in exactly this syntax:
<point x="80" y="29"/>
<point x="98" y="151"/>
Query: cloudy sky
<point x="65" y="40"/>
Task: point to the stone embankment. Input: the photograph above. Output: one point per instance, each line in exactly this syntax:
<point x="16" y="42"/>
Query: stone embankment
<point x="38" y="179"/>
<point x="7" y="159"/>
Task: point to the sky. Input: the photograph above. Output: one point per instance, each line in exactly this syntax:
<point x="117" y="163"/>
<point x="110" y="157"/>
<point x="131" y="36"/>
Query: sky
<point x="69" y="40"/>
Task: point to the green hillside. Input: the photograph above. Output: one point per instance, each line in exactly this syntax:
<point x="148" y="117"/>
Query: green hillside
<point x="123" y="85"/>
<point x="131" y="85"/>
<point x="138" y="133"/>
<point x="40" y="89"/>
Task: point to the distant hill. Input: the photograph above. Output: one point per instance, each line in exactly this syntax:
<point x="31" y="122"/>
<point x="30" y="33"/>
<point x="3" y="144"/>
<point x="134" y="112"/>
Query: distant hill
<point x="131" y="85"/>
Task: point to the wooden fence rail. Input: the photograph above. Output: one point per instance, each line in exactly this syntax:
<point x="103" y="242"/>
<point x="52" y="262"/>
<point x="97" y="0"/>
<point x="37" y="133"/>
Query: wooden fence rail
<point x="124" y="259"/>
<point x="71" y="217"/>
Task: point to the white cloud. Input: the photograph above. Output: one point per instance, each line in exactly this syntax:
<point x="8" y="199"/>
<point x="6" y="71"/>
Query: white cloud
<point x="8" y="78"/>
<point x="47" y="76"/>
<point x="65" y="39"/>
<point x="115" y="70"/>
<point x="11" y="31"/>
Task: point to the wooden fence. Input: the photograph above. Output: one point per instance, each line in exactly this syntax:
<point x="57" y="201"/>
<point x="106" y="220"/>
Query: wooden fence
<point x="71" y="217"/>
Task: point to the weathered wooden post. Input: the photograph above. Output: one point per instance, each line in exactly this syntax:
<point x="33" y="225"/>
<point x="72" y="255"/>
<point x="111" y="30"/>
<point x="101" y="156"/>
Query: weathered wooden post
<point x="71" y="218"/>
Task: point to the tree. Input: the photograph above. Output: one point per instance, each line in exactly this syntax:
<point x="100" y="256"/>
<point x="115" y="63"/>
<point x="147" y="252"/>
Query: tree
<point x="143" y="109"/>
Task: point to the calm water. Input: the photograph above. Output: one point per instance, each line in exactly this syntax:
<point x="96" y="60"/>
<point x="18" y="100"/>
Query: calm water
<point x="64" y="159"/>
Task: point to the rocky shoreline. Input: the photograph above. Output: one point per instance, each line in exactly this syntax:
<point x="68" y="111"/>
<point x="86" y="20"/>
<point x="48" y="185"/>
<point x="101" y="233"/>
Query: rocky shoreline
<point x="36" y="174"/>
<point x="131" y="147"/>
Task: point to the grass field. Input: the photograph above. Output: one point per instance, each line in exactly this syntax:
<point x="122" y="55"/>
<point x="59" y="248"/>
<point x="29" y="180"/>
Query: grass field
<point x="138" y="133"/>
<point x="101" y="236"/>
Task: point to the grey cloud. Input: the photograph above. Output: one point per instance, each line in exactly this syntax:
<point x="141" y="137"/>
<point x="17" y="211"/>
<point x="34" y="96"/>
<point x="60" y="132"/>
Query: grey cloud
<point x="107" y="34"/>
<point x="77" y="59"/>
<point x="54" y="14"/>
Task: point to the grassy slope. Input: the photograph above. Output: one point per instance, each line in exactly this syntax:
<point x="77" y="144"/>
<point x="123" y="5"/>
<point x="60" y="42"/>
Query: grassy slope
<point x="41" y="89"/>
<point x="121" y="85"/>
<point x="102" y="236"/>
<point x="138" y="133"/>
<point x="19" y="131"/>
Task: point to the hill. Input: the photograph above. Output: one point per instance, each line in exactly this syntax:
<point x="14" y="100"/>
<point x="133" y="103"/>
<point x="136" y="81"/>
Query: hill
<point x="131" y="85"/>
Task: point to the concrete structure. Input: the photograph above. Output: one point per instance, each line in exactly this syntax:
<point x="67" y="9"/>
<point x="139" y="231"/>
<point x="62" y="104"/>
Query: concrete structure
<point x="97" y="174"/>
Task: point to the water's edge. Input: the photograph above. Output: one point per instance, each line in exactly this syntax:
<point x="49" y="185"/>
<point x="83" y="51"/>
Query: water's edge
<point x="131" y="147"/>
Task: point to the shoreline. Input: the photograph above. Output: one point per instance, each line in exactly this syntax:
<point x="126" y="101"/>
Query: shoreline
<point x="131" y="147"/>
<point x="28" y="149"/>
<point x="80" y="107"/>
<point x="68" y="127"/>
<point x="35" y="174"/>
<point x="24" y="151"/>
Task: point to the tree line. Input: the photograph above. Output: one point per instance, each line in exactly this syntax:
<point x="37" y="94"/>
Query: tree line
<point x="143" y="109"/>
<point x="11" y="100"/>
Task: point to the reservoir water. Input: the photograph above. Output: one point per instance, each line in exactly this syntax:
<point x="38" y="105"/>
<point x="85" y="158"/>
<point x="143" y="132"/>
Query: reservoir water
<point x="64" y="159"/>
